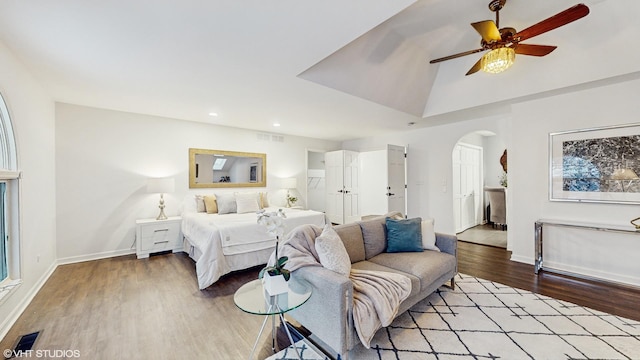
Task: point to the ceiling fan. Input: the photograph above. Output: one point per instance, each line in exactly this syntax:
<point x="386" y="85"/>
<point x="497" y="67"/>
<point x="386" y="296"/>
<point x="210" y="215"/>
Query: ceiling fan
<point x="504" y="43"/>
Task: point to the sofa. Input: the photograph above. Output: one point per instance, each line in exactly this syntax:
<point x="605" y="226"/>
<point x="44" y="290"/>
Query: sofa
<point x="328" y="314"/>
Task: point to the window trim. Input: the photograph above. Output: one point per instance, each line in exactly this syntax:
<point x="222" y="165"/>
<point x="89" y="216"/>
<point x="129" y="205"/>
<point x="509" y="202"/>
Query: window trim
<point x="11" y="176"/>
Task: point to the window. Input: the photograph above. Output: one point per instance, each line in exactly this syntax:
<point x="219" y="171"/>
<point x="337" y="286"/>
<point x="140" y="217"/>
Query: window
<point x="4" y="271"/>
<point x="9" y="184"/>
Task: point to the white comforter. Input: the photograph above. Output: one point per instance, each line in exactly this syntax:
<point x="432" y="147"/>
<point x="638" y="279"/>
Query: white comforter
<point x="217" y="236"/>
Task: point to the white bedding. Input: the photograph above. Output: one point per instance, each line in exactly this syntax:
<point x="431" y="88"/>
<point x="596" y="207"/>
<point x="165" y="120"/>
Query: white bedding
<point x="229" y="242"/>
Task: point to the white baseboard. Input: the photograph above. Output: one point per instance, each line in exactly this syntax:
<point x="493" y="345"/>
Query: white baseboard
<point x="15" y="314"/>
<point x="97" y="256"/>
<point x="522" y="259"/>
<point x="593" y="273"/>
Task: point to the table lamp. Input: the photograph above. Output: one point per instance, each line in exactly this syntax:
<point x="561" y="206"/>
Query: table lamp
<point x="161" y="186"/>
<point x="289" y="184"/>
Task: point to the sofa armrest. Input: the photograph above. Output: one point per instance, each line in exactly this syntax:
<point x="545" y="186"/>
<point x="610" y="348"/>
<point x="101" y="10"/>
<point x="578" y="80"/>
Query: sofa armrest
<point x="327" y="313"/>
<point x="447" y="243"/>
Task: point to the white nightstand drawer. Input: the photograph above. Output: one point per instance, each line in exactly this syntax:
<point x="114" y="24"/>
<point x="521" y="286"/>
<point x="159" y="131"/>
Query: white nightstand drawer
<point x="157" y="235"/>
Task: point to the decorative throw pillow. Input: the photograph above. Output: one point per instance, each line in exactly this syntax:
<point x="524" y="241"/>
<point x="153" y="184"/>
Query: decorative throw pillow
<point x="264" y="200"/>
<point x="428" y="235"/>
<point x="331" y="251"/>
<point x="210" y="205"/>
<point x="226" y="203"/>
<point x="247" y="202"/>
<point x="404" y="235"/>
<point x="200" y="203"/>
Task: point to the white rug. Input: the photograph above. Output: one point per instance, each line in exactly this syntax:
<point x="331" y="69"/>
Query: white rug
<point x="486" y="320"/>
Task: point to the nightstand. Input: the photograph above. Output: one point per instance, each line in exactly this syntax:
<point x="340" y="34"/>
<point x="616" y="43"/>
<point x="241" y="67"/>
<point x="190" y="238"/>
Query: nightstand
<point x="158" y="235"/>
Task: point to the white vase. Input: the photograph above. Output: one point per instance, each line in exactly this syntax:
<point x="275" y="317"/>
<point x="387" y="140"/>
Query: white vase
<point x="274" y="285"/>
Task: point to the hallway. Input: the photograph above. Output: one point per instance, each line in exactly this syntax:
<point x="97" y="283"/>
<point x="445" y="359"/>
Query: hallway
<point x="485" y="235"/>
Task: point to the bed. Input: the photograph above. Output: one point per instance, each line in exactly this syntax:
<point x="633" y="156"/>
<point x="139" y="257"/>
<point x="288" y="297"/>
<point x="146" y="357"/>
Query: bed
<point x="220" y="244"/>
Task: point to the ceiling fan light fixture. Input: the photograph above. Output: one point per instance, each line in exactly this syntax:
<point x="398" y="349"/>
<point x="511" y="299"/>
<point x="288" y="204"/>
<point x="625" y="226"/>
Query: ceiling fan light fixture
<point x="498" y="60"/>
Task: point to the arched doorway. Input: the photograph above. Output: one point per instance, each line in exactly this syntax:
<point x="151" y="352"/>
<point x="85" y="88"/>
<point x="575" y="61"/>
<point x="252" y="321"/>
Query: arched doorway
<point x="476" y="161"/>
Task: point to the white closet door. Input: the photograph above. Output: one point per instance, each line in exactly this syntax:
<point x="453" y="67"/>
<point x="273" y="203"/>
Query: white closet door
<point x="334" y="175"/>
<point x="396" y="179"/>
<point x="467" y="185"/>
<point x="351" y="191"/>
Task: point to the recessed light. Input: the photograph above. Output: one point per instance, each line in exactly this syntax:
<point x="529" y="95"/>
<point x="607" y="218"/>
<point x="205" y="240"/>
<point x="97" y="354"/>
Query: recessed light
<point x="213" y="114"/>
<point x="276" y="124"/>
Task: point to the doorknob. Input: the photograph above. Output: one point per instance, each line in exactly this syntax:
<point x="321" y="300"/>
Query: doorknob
<point x="340" y="191"/>
<point x="390" y="194"/>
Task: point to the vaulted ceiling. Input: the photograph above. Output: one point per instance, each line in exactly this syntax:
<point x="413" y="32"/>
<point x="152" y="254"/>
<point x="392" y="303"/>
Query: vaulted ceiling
<point x="326" y="69"/>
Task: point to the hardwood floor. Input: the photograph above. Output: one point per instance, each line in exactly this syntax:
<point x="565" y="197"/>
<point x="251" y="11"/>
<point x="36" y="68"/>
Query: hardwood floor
<point x="152" y="309"/>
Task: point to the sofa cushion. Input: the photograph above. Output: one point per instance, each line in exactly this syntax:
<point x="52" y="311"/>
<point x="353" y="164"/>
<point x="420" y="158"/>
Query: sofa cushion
<point x="404" y="235"/>
<point x="429" y="266"/>
<point x="331" y="251"/>
<point x="351" y="236"/>
<point x="368" y="265"/>
<point x="374" y="236"/>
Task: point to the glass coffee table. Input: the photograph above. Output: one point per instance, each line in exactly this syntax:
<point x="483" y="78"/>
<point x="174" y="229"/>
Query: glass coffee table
<point x="253" y="299"/>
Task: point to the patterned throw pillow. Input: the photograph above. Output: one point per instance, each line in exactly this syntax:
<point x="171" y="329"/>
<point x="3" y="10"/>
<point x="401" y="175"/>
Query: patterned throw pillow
<point x="331" y="251"/>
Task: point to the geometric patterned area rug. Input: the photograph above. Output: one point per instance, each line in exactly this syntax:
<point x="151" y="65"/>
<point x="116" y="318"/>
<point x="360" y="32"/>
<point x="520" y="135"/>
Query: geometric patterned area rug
<point x="487" y="320"/>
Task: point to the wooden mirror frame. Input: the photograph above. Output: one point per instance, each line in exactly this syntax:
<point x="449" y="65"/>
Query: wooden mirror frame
<point x="261" y="174"/>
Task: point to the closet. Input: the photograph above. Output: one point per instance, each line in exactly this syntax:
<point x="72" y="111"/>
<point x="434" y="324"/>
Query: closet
<point x="364" y="183"/>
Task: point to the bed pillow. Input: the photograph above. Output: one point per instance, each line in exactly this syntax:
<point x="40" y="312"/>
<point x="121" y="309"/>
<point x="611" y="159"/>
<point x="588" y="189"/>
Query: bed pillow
<point x="331" y="251"/>
<point x="264" y="200"/>
<point x="210" y="204"/>
<point x="428" y="235"/>
<point x="247" y="202"/>
<point x="226" y="203"/>
<point x="200" y="203"/>
<point x="404" y="235"/>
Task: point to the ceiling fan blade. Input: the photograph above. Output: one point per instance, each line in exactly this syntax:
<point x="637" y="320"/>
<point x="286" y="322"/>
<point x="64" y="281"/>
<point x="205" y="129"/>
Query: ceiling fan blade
<point x="455" y="56"/>
<point x="560" y="19"/>
<point x="475" y="68"/>
<point x="488" y="30"/>
<point x="533" y="50"/>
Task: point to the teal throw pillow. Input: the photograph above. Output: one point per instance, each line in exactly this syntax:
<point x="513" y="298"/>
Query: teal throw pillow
<point x="404" y="235"/>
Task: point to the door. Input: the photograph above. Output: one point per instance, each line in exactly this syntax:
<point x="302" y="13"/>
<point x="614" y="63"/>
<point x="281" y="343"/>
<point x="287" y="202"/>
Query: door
<point x="341" y="180"/>
<point x="467" y="186"/>
<point x="334" y="174"/>
<point x="396" y="173"/>
<point x="351" y="192"/>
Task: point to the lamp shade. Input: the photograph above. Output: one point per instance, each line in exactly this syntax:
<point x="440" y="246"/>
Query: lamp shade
<point x="289" y="183"/>
<point x="160" y="185"/>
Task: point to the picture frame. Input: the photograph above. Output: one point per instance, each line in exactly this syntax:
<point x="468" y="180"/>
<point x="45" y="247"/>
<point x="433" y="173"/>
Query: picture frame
<point x="595" y="165"/>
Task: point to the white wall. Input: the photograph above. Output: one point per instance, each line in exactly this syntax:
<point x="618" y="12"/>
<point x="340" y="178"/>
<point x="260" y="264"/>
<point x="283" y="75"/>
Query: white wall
<point x="32" y="116"/>
<point x="429" y="167"/>
<point x="104" y="157"/>
<point x="525" y="133"/>
<point x="493" y="148"/>
<point x="373" y="182"/>
<point x="595" y="253"/>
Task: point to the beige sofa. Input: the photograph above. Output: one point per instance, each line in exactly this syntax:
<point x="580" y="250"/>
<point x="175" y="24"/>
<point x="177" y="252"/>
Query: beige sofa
<point x="328" y="313"/>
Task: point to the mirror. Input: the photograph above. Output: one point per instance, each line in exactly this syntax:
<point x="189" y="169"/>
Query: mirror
<point x="219" y="169"/>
